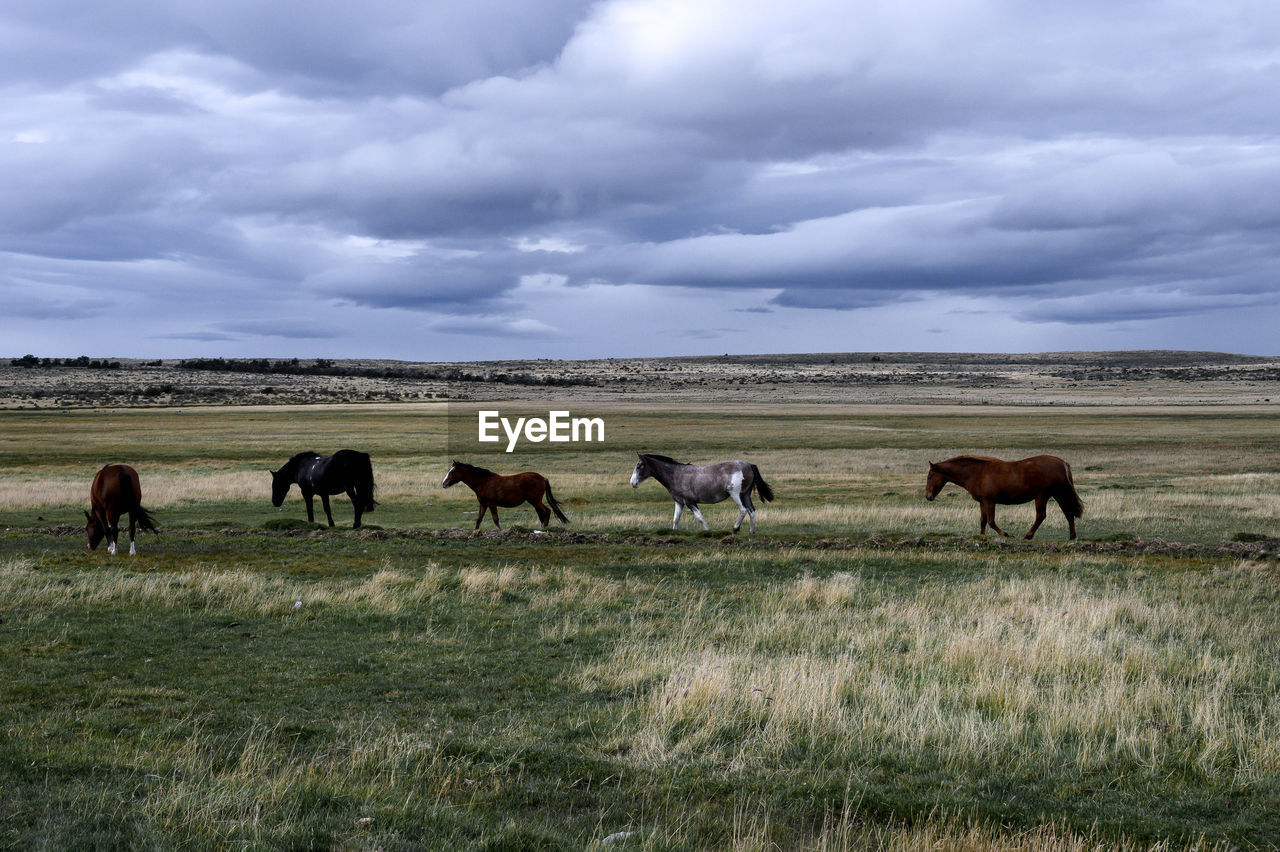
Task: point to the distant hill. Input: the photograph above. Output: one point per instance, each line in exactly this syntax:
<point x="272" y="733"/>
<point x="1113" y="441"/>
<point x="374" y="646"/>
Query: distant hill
<point x="1060" y="378"/>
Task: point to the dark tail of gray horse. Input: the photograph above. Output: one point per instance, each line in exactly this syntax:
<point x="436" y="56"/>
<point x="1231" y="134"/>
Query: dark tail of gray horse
<point x="762" y="487"/>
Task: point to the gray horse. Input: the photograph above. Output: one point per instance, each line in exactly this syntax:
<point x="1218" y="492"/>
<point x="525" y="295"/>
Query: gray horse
<point x="691" y="484"/>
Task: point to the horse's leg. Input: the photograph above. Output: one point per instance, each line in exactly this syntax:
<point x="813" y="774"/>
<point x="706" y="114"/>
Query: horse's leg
<point x="982" y="511"/>
<point x="311" y="512"/>
<point x="351" y="492"/>
<point x="544" y="514"/>
<point x="493" y="510"/>
<point x="1041" y="501"/>
<point x="113" y="530"/>
<point x="742" y="512"/>
<point x="697" y="513"/>
<point x="675" y="522"/>
<point x="480" y="517"/>
<point x="991" y="518"/>
<point x="1071" y="522"/>
<point x="324" y="501"/>
<point x="133" y="551"/>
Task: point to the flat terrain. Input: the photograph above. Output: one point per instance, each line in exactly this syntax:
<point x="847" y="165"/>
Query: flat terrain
<point x="1062" y="378"/>
<point x="864" y="672"/>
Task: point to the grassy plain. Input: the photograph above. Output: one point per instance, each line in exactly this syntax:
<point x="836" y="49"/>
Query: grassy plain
<point x="862" y="673"/>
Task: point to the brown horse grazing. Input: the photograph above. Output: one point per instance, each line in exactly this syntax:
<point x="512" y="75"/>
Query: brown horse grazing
<point x="991" y="481"/>
<point x="494" y="490"/>
<point x="114" y="492"/>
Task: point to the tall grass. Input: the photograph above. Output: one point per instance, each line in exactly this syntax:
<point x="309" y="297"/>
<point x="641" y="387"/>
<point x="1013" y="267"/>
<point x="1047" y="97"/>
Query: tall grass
<point x="746" y="668"/>
<point x="1021" y="674"/>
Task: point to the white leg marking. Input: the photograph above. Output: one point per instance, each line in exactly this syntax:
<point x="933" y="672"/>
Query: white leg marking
<point x="697" y="513"/>
<point x="133" y="551"/>
<point x="737" y="498"/>
<point x="675" y="522"/>
<point x="111" y="548"/>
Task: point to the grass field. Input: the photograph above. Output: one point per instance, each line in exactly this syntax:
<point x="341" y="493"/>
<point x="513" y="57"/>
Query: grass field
<point x="864" y="672"/>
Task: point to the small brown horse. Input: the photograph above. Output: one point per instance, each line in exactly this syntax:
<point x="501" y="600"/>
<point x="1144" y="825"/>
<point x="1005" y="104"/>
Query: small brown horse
<point x="494" y="490"/>
<point x="115" y="491"/>
<point x="991" y="481"/>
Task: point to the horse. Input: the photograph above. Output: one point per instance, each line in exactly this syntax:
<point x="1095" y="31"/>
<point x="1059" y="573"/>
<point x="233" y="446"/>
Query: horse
<point x="494" y="490"/>
<point x="345" y="470"/>
<point x="991" y="481"/>
<point x="115" y="491"/>
<point x="690" y="484"/>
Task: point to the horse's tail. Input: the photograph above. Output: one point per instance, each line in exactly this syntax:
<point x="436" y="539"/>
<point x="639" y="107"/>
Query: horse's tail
<point x="144" y="519"/>
<point x="1068" y="499"/>
<point x="365" y="485"/>
<point x="140" y="516"/>
<point x="762" y="487"/>
<point x="555" y="507"/>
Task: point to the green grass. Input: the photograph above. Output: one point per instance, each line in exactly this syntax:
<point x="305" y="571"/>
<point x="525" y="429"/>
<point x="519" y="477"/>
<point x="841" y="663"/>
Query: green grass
<point x="863" y="673"/>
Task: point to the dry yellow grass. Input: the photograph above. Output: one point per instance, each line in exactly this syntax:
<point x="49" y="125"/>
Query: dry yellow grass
<point x="204" y="790"/>
<point x="387" y="590"/>
<point x="168" y="486"/>
<point x="1018" y="664"/>
<point x="1019" y="673"/>
<point x="846" y="833"/>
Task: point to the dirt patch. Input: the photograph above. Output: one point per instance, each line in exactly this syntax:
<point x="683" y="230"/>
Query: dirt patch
<point x="1268" y="548"/>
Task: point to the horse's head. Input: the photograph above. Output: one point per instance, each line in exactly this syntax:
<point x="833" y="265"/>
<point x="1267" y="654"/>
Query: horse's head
<point x="453" y="477"/>
<point x="641" y="473"/>
<point x="94" y="529"/>
<point x="934" y="483"/>
<point x="280" y="483"/>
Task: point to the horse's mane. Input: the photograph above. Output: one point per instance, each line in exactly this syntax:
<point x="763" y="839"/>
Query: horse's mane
<point x="482" y="471"/>
<point x="972" y="459"/>
<point x="300" y="456"/>
<point x="657" y="457"/>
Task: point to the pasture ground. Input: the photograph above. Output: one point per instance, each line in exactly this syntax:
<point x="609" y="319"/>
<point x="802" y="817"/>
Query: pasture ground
<point x="864" y="672"/>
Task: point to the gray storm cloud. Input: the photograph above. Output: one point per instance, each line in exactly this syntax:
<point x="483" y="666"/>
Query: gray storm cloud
<point x="416" y="165"/>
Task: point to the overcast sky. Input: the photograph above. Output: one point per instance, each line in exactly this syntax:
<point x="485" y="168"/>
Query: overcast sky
<point x="555" y="178"/>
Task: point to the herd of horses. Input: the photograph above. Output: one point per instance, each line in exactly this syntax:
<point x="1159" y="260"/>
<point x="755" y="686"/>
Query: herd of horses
<point x="116" y="490"/>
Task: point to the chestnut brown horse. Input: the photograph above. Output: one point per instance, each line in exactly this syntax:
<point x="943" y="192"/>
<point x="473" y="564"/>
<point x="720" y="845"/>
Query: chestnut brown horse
<point x="494" y="490"/>
<point x="115" y="491"/>
<point x="991" y="481"/>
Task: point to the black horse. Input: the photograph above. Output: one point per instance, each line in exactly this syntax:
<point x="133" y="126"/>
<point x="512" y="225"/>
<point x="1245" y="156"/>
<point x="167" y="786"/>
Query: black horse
<point x="345" y="470"/>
